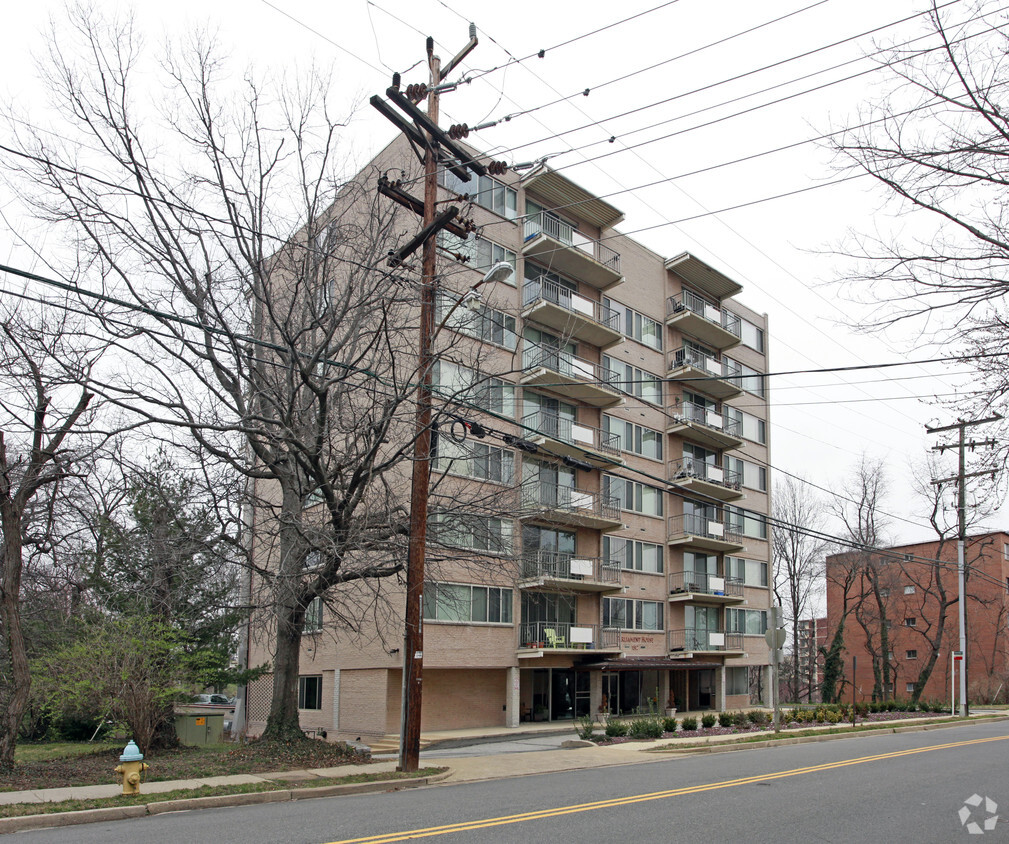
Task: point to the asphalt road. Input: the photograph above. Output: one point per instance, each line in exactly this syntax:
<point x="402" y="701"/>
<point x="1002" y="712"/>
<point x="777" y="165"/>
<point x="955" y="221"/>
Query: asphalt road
<point x="894" y="788"/>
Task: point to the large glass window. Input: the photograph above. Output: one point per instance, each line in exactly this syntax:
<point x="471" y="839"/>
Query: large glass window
<point x="748" y="622"/>
<point x="310" y="692"/>
<point x="750" y="524"/>
<point x="642" y="328"/>
<point x="486" y="192"/>
<point x="634" y="496"/>
<point x="751" y="572"/>
<point x="751" y="427"/>
<point x="475" y="460"/>
<point x="463" y="385"/>
<point x="471" y="532"/>
<point x="463" y="602"/>
<point x="750" y="379"/>
<point x="751" y="335"/>
<point x="313" y="616"/>
<point x="632" y="554"/>
<point x="636" y="439"/>
<point x="482" y="253"/>
<point x="484" y="323"/>
<point x="634" y="381"/>
<point x="737" y="681"/>
<point x="753" y="476"/>
<point x="628" y="614"/>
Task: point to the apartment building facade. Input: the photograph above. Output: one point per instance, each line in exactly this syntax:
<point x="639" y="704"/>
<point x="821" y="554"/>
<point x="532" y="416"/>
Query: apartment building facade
<point x="626" y="436"/>
<point x="812" y="637"/>
<point x="915" y="583"/>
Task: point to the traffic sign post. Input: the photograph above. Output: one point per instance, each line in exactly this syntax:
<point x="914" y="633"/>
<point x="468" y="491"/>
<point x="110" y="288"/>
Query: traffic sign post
<point x="957" y="656"/>
<point x="775" y="638"/>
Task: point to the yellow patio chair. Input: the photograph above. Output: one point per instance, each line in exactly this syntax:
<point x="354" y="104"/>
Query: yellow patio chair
<point x="553" y="640"/>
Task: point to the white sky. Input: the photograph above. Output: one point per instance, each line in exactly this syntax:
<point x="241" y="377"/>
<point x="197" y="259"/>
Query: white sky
<point x="779" y="250"/>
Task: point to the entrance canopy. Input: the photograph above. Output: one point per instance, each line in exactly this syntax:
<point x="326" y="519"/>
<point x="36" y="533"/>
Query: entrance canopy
<point x="644" y="663"/>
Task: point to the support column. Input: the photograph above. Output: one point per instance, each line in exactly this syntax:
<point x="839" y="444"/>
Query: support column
<point x="721" y="688"/>
<point x="336" y="700"/>
<point x="663" y="692"/>
<point x="595" y="692"/>
<point x="512" y="698"/>
<point x="768" y="700"/>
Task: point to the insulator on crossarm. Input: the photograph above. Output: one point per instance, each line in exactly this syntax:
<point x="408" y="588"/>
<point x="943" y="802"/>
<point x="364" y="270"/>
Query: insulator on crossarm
<point x="458" y="131"/>
<point x="416" y="92"/>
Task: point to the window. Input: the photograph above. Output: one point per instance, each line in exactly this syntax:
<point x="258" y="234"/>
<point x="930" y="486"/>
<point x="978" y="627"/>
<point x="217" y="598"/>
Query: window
<point x="751" y="572"/>
<point x="484" y="323"/>
<point x="313" y="616"/>
<point x="884" y="593"/>
<point x="486" y="192"/>
<point x="472" y="533"/>
<point x="750" y="524"/>
<point x="911" y="654"/>
<point x="639" y="327"/>
<point x="628" y="614"/>
<point x="632" y="554"/>
<point x="750" y="426"/>
<point x="909" y="688"/>
<point x="749" y="379"/>
<point x="908" y="590"/>
<point x="475" y="460"/>
<point x="482" y="254"/>
<point x="751" y="475"/>
<point x="748" y="622"/>
<point x="634" y="496"/>
<point x="737" y="681"/>
<point x="751" y="335"/>
<point x="635" y="438"/>
<point x="635" y="382"/>
<point x="911" y="622"/>
<point x="1005" y="550"/>
<point x="310" y="692"/>
<point x="462" y="602"/>
<point x="461" y="384"/>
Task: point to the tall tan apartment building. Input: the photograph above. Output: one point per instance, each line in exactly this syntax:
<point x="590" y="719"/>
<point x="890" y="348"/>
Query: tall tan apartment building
<point x="626" y="439"/>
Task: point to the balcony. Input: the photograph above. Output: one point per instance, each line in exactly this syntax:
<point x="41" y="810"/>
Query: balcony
<point x="703" y="277"/>
<point x="537" y="638"/>
<point x="554" y="570"/>
<point x="704" y="478"/>
<point x="569" y="506"/>
<point x="687" y="586"/>
<point x="571" y="315"/>
<point x="697" y="317"/>
<point x="693" y="640"/>
<point x="699" y="424"/>
<point x="707" y="534"/>
<point x="570" y="439"/>
<point x="717" y="378"/>
<point x="563" y="248"/>
<point x="563" y="373"/>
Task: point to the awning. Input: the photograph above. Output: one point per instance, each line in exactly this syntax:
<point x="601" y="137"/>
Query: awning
<point x="645" y="663"/>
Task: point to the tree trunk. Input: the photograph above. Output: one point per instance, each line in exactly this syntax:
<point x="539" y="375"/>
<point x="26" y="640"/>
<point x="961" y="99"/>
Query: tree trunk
<point x="15" y="678"/>
<point x="283" y="723"/>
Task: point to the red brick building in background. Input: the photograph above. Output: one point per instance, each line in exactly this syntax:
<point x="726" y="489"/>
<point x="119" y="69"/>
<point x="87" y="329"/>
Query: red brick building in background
<point x="904" y="589"/>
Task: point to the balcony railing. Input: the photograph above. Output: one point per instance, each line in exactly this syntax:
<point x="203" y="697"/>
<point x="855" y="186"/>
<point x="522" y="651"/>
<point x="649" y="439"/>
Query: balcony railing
<point x="689" y="356"/>
<point x="555" y="228"/>
<point x="701" y="415"/>
<point x="563" y="635"/>
<point x="545" y="290"/>
<point x="558" y="428"/>
<point x="559" y="565"/>
<point x="568" y="365"/>
<point x="688" y="300"/>
<point x="699" y="639"/>
<point x="707" y="584"/>
<point x="570" y="500"/>
<point x="695" y="524"/>
<point x="691" y="467"/>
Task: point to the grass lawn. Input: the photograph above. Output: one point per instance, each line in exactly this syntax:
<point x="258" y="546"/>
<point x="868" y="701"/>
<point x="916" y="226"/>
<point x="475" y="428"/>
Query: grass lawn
<point x="68" y="764"/>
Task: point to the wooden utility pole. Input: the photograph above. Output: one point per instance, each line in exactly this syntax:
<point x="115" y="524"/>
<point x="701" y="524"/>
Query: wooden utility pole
<point x="961" y="477"/>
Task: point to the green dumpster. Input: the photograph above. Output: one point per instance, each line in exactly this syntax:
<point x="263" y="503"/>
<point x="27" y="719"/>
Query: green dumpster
<point x="197" y="728"/>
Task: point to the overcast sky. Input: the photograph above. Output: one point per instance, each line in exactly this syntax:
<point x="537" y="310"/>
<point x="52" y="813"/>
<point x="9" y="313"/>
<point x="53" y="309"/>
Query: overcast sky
<point x="736" y="79"/>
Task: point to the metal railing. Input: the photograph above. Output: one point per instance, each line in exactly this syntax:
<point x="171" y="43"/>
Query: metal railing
<point x="558" y="428"/>
<point x="699" y="639"/>
<point x="558" y="635"/>
<point x="543" y="289"/>
<point x="698" y="414"/>
<point x="564" y="566"/>
<point x="554" y="227"/>
<point x="690" y="301"/>
<point x="690" y="356"/>
<point x="694" y="524"/>
<point x="691" y="467"/>
<point x="568" y="365"/>
<point x="571" y="500"/>
<point x="702" y="582"/>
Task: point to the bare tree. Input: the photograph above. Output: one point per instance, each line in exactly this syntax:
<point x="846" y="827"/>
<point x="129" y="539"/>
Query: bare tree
<point x="261" y="319"/>
<point x="798" y="555"/>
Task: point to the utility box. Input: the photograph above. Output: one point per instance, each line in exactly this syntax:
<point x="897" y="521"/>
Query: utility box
<point x="199" y="728"/>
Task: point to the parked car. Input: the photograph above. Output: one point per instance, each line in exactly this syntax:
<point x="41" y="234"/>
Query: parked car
<point x="212" y="700"/>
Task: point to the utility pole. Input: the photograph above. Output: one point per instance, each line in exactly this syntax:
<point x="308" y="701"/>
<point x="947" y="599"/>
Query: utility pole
<point x="961" y="477"/>
<point x="439" y="150"/>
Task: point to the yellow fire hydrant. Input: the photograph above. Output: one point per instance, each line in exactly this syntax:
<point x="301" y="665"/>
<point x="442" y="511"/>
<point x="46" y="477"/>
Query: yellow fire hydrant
<point x="131" y="767"/>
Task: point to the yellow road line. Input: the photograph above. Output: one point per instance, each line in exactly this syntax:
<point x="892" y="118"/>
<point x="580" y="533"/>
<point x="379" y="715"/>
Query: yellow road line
<point x="464" y="826"/>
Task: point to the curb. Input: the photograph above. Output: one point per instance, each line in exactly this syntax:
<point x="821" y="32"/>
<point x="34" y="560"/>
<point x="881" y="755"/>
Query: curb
<point x="781" y="742"/>
<point x="187" y="804"/>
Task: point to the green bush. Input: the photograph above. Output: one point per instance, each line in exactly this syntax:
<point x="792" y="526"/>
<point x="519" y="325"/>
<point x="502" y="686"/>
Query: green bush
<point x="615" y="729"/>
<point x="759" y="717"/>
<point x="650" y="728"/>
<point x="833" y="717"/>
<point x="586" y="728"/>
<point x="891" y="706"/>
<point x="669" y="725"/>
<point x="708" y="720"/>
<point x="726" y="719"/>
<point x="689" y="723"/>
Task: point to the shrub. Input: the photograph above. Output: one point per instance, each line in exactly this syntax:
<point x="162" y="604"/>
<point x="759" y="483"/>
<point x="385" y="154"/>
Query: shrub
<point x="820" y="715"/>
<point x="726" y="719"/>
<point x="833" y="717"/>
<point x="689" y="723"/>
<point x="586" y="728"/>
<point x="759" y="717"/>
<point x="615" y="729"/>
<point x="708" y="720"/>
<point x="646" y="728"/>
<point x="891" y="705"/>
<point x="669" y="725"/>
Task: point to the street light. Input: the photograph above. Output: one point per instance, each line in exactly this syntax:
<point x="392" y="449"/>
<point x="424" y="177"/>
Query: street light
<point x="413" y="639"/>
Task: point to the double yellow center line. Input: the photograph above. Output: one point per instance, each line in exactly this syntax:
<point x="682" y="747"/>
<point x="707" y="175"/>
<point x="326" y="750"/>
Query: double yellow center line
<point x="465" y="826"/>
